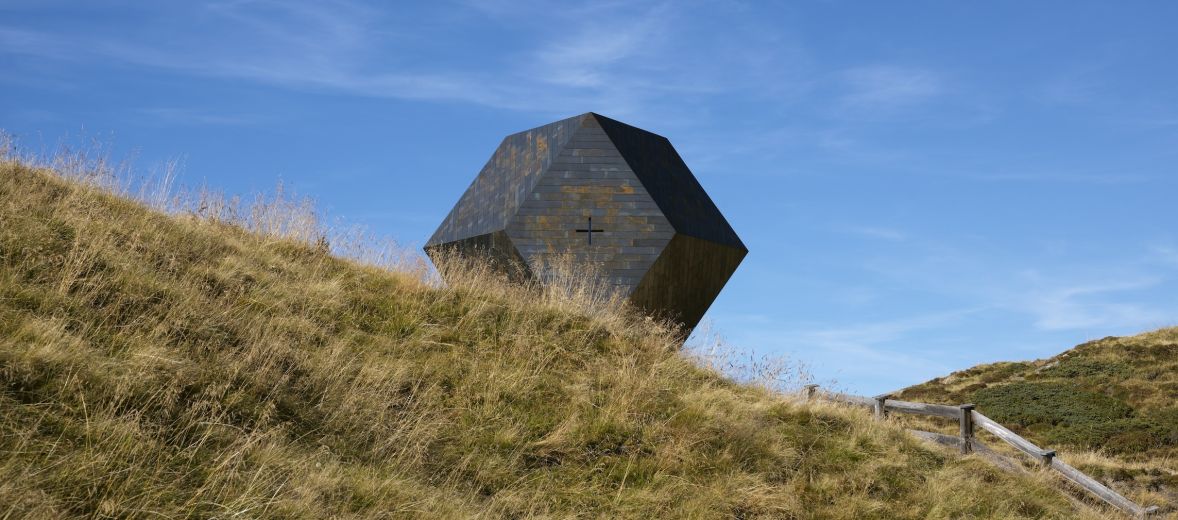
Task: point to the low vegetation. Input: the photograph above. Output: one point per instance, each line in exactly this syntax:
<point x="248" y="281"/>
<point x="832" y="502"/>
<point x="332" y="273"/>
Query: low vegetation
<point x="1112" y="404"/>
<point x="201" y="363"/>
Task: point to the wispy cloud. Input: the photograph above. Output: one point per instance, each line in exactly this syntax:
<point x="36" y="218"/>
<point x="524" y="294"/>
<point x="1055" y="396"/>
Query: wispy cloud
<point x="1076" y="84"/>
<point x="1091" y="306"/>
<point x="1077" y="177"/>
<point x="622" y="58"/>
<point x="861" y="351"/>
<point x="1073" y="90"/>
<point x="861" y="336"/>
<point x="876" y="232"/>
<point x="190" y="116"/>
<point x="1165" y="254"/>
<point x="589" y="57"/>
<point x="889" y="87"/>
<point x="290" y="45"/>
<point x="15" y="40"/>
<point x="1111" y="293"/>
<point x="1159" y="122"/>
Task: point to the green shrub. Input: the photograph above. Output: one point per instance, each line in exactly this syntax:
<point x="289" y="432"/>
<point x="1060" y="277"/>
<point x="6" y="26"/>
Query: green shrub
<point x="1077" y="367"/>
<point x="1063" y="414"/>
<point x="1157" y="429"/>
<point x="1003" y="371"/>
<point x="1166" y="425"/>
<point x="1048" y="403"/>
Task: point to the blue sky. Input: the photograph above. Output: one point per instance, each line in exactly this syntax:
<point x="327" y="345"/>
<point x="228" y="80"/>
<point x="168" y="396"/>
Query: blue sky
<point x="923" y="186"/>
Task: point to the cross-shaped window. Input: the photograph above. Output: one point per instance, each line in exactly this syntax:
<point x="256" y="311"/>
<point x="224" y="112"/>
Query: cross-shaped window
<point x="590" y="231"/>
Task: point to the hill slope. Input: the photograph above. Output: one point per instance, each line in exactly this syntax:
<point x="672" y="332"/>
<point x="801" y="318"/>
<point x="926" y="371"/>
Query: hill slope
<point x="1117" y="396"/>
<point x="171" y="366"/>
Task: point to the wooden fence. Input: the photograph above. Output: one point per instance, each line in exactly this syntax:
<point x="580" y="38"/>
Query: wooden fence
<point x="969" y="419"/>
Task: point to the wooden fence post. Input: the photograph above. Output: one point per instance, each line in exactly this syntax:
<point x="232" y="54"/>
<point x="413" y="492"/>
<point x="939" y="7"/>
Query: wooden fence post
<point x="1045" y="457"/>
<point x="810" y="391"/>
<point x="970" y="419"/>
<point x="966" y="428"/>
<point x="880" y="403"/>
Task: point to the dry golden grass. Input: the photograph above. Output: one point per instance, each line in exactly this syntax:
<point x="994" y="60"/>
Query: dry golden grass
<point x="1109" y="406"/>
<point x="197" y="358"/>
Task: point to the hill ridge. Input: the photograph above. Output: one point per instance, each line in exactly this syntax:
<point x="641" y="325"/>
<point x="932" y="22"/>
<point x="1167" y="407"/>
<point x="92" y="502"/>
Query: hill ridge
<point x="1114" y="397"/>
<point x="181" y="366"/>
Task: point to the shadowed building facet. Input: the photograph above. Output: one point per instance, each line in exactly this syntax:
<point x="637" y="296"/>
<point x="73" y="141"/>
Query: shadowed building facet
<point x="605" y="193"/>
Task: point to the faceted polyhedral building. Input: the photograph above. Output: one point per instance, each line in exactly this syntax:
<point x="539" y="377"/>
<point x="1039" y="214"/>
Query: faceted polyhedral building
<point x="605" y="193"/>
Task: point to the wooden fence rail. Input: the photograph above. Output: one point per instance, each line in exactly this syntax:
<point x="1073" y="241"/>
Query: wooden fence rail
<point x="968" y="418"/>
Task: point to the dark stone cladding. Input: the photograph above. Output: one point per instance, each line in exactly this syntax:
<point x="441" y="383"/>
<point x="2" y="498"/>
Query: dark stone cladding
<point x="504" y="182"/>
<point x="676" y="191"/>
<point x="686" y="279"/>
<point x="567" y="195"/>
<point x="495" y="249"/>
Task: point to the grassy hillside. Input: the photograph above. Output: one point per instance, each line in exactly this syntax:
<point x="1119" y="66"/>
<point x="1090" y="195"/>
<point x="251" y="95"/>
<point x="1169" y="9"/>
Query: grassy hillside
<point x="1116" y="397"/>
<point x="168" y="366"/>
